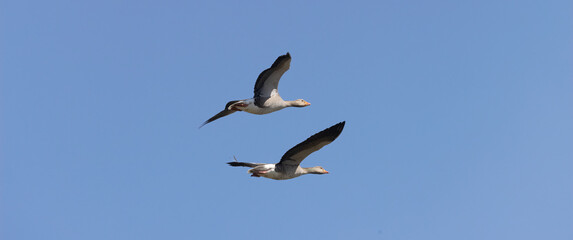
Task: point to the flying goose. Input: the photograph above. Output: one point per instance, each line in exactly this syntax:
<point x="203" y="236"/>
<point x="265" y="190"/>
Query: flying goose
<point x="289" y="165"/>
<point x="266" y="98"/>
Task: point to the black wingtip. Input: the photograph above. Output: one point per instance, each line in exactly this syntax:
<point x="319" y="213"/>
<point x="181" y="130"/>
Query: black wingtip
<point x="341" y="123"/>
<point x="339" y="126"/>
<point x="241" y="164"/>
<point x="280" y="60"/>
<point x="334" y="131"/>
<point x="208" y="121"/>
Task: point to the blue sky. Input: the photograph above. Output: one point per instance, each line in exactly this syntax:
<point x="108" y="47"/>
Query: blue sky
<point x="459" y="119"/>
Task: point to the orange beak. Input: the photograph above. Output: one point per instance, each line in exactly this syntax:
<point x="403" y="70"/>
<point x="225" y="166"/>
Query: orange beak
<point x="325" y="171"/>
<point x="307" y="103"/>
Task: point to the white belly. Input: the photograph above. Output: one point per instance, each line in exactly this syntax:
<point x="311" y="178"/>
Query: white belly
<point x="278" y="176"/>
<point x="257" y="110"/>
<point x="252" y="108"/>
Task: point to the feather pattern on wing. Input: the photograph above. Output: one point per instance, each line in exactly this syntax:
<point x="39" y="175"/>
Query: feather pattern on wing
<point x="244" y="164"/>
<point x="221" y="113"/>
<point x="295" y="155"/>
<point x="268" y="80"/>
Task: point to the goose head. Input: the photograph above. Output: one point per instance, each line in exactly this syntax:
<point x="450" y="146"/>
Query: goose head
<point x="299" y="103"/>
<point x="316" y="170"/>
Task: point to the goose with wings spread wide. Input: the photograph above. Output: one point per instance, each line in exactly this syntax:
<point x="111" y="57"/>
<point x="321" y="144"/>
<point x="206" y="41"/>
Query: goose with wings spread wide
<point x="289" y="165"/>
<point x="266" y="98"/>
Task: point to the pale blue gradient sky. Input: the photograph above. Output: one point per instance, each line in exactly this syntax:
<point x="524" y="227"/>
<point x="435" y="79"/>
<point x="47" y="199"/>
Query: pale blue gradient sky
<point x="459" y="119"/>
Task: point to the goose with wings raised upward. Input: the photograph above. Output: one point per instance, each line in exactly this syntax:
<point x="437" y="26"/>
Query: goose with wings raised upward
<point x="289" y="165"/>
<point x="267" y="98"/>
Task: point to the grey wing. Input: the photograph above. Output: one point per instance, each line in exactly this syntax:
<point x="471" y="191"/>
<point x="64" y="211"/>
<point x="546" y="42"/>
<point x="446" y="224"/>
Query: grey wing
<point x="244" y="164"/>
<point x="217" y="116"/>
<point x="268" y="80"/>
<point x="220" y="114"/>
<point x="295" y="155"/>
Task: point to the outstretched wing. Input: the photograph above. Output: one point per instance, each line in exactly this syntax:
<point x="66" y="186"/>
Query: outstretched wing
<point x="220" y="114"/>
<point x="268" y="80"/>
<point x="299" y="152"/>
<point x="244" y="164"/>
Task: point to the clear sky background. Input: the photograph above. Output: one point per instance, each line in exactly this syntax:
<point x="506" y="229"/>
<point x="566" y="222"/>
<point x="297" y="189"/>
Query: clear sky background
<point x="459" y="119"/>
